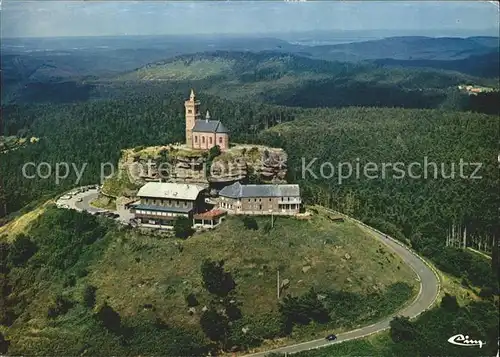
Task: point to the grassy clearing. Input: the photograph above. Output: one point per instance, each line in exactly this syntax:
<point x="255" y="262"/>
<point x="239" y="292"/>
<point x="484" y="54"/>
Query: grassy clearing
<point x="104" y="203"/>
<point x="308" y="253"/>
<point x="22" y="223"/>
<point x="181" y="70"/>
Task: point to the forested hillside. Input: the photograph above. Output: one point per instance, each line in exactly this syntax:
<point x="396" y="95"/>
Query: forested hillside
<point x="422" y="210"/>
<point x="272" y="77"/>
<point x="92" y="133"/>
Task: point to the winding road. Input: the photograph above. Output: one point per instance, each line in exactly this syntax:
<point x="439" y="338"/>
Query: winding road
<point x="428" y="293"/>
<point x="426" y="274"/>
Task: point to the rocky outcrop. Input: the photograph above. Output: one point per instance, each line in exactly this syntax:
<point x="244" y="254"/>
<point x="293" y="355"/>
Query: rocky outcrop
<point x="171" y="163"/>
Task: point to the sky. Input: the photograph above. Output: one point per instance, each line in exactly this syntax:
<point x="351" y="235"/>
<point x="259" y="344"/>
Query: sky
<point x="110" y="18"/>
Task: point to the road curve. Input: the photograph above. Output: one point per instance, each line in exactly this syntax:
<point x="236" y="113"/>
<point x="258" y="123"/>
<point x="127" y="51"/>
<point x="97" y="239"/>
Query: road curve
<point x="426" y="274"/>
<point x="428" y="293"/>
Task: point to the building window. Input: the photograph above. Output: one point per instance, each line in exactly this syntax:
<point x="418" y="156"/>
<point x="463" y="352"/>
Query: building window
<point x="269" y="200"/>
<point x="260" y="207"/>
<point x="220" y="139"/>
<point x="195" y="139"/>
<point x="203" y="139"/>
<point x="190" y="111"/>
<point x="210" y="140"/>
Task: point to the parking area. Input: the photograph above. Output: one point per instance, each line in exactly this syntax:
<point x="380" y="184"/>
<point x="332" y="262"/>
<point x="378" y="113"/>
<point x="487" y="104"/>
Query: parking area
<point x="79" y="199"/>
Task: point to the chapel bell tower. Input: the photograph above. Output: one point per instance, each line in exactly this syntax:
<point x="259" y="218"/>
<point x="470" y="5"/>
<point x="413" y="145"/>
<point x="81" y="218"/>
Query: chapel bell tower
<point x="192" y="107"/>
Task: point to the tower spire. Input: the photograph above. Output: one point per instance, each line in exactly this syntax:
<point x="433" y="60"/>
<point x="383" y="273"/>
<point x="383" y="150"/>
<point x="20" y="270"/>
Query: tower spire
<point x="191" y="96"/>
<point x="207" y="117"/>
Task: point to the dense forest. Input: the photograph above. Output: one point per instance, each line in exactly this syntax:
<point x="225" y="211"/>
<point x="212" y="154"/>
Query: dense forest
<point x="276" y="78"/>
<point x="426" y="213"/>
<point x="425" y="336"/>
<point x="438" y="206"/>
<point x="422" y="211"/>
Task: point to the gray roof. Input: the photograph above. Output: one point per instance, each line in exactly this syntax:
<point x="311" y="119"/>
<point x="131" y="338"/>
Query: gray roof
<point x="162" y="208"/>
<point x="209" y="126"/>
<point x="179" y="191"/>
<point x="237" y="190"/>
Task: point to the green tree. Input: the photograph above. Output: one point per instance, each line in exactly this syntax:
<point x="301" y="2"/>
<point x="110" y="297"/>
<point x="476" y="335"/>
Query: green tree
<point x="233" y="312"/>
<point x="4" y="344"/>
<point x="109" y="318"/>
<point x="215" y="279"/>
<point x="183" y="227"/>
<point x="21" y="250"/>
<point x="213" y="152"/>
<point x="214" y="325"/>
<point x="449" y="303"/>
<point x="303" y="309"/>
<point x="402" y="329"/>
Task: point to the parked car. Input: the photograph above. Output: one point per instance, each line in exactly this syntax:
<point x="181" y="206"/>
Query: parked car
<point x="331" y="337"/>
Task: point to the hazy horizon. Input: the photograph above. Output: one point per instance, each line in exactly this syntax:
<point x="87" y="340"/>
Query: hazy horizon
<point x="49" y="19"/>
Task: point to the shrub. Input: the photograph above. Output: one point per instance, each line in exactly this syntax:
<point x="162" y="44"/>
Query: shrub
<point x="213" y="152"/>
<point x="89" y="296"/>
<point x="60" y="306"/>
<point x="191" y="300"/>
<point x="250" y="223"/>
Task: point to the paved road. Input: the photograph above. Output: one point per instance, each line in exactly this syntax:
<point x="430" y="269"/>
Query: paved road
<point x="81" y="202"/>
<point x="429" y="290"/>
<point x="429" y="282"/>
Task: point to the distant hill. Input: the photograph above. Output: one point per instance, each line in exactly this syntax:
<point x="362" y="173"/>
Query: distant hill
<point x="257" y="68"/>
<point x="408" y="48"/>
<point x="487" y="65"/>
<point x="292" y="80"/>
<point x="236" y="65"/>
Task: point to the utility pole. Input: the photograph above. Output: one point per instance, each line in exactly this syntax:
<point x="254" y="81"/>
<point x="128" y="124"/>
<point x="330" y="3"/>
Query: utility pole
<point x="465" y="237"/>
